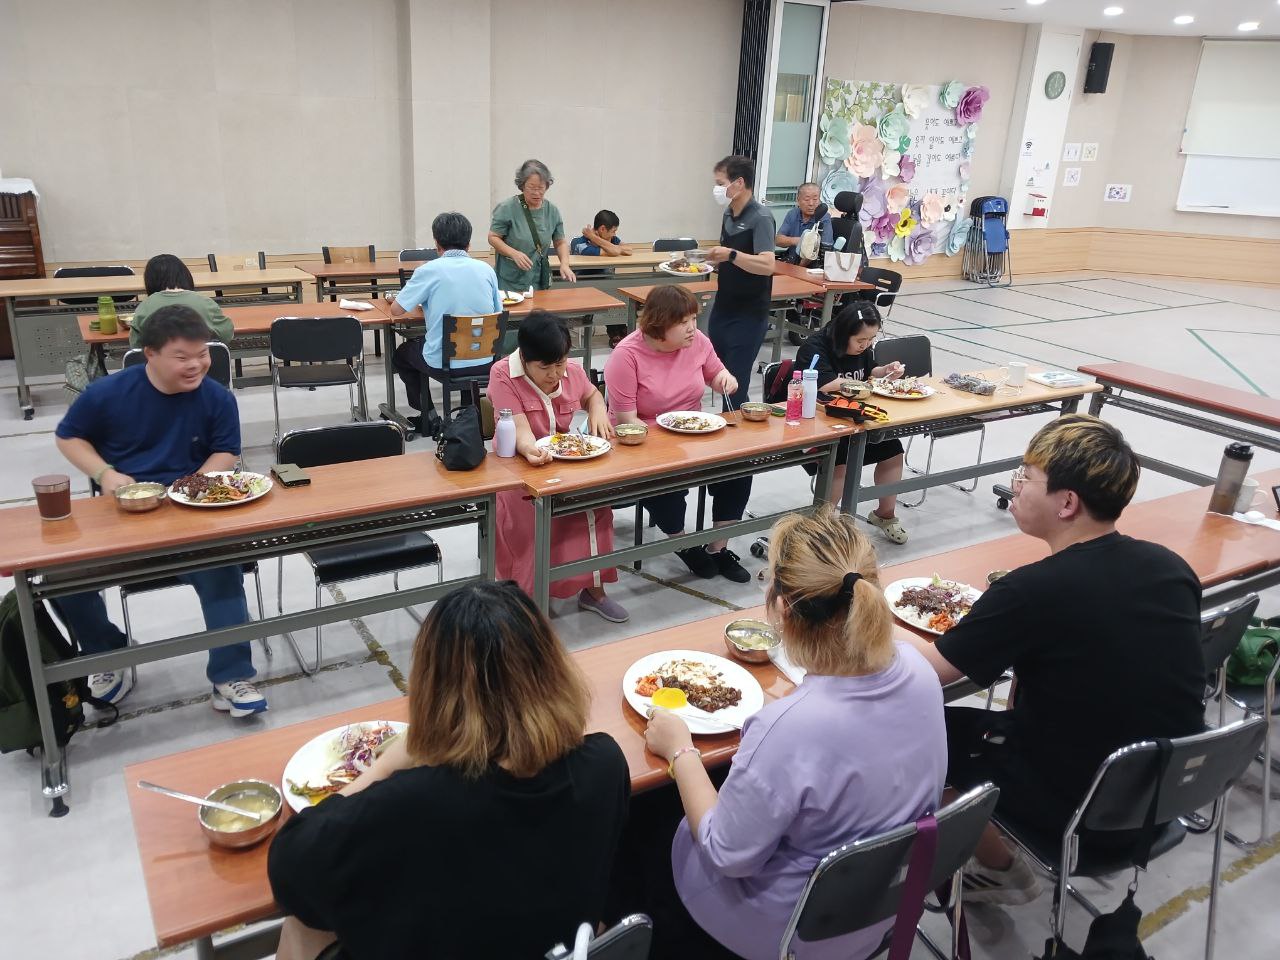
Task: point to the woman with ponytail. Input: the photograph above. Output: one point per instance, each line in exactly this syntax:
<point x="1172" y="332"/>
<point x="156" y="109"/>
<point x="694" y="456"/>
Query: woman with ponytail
<point x="858" y="748"/>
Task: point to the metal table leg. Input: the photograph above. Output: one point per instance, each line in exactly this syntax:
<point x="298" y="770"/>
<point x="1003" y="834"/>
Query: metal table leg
<point x="632" y="315"/>
<point x="542" y="552"/>
<point x="853" y="473"/>
<point x="319" y="290"/>
<point x="780" y="326"/>
<point x="52" y="761"/>
<point x="1097" y="400"/>
<point x="828" y="306"/>
<point x="588" y="332"/>
<point x="488" y="533"/>
<point x="24" y="391"/>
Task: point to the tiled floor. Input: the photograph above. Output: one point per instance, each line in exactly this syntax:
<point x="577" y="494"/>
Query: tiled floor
<point x="73" y="887"/>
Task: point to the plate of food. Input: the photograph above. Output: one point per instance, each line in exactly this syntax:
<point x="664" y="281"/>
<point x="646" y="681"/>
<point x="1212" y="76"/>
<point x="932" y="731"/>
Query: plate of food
<point x="327" y="763"/>
<point x="511" y="297"/>
<point x="219" y="488"/>
<point x="907" y="388"/>
<point x="691" y="421"/>
<point x="682" y="267"/>
<point x="930" y="603"/>
<point x="575" y="446"/>
<point x="711" y="684"/>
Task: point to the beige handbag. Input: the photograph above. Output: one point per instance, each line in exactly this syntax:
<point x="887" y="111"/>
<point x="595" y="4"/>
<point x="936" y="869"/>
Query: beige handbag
<point x="842" y="267"/>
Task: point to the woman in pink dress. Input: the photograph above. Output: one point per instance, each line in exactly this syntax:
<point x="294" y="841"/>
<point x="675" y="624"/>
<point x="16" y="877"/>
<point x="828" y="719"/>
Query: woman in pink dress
<point x="543" y="391"/>
<point x="667" y="364"/>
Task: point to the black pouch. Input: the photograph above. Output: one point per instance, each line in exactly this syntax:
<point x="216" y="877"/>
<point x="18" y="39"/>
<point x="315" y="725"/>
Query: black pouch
<point x="461" y="443"/>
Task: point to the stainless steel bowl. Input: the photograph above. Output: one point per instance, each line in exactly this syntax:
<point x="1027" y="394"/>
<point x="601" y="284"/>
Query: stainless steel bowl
<point x="754" y="411"/>
<point x="855" y="390"/>
<point x="743" y="638"/>
<point x="695" y="256"/>
<point x="245" y="836"/>
<point x="139" y="497"/>
<point x="631" y="434"/>
<point x="995" y="575"/>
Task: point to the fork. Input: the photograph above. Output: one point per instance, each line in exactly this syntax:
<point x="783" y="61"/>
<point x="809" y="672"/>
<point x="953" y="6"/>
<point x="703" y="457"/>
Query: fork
<point x="730" y="408"/>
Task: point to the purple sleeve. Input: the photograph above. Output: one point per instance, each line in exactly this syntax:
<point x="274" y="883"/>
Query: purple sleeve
<point x="742" y="831"/>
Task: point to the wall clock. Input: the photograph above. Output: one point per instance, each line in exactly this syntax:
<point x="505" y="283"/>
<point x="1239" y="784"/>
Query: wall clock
<point x="1054" y="84"/>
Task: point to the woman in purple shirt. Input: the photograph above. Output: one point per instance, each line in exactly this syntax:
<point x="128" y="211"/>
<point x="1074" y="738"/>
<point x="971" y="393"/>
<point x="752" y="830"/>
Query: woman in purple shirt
<point x="858" y="748"/>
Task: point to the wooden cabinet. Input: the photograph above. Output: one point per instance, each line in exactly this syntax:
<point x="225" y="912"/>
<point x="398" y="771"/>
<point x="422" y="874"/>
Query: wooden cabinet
<point x="20" y="253"/>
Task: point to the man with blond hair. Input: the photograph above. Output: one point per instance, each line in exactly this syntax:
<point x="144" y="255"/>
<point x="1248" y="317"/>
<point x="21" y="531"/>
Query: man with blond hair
<point x="1103" y="637"/>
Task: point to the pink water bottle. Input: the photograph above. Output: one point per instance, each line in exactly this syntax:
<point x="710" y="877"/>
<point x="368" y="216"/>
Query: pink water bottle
<point x="795" y="400"/>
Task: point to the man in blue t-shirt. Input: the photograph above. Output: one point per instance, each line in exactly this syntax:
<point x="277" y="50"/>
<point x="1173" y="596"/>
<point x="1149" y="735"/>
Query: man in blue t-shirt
<point x="801" y="218"/>
<point x="157" y="423"/>
<point x="601" y="240"/>
<point x="456" y="284"/>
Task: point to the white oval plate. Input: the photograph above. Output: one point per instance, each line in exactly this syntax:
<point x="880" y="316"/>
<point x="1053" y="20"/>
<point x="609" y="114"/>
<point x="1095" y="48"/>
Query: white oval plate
<point x="600" y="445"/>
<point x="909" y="615"/>
<point x="704" y="270"/>
<point x="716" y="421"/>
<point x="183" y="499"/>
<point x="315" y="758"/>
<point x="735" y="676"/>
<point x="924" y="388"/>
<point x="511" y="297"/>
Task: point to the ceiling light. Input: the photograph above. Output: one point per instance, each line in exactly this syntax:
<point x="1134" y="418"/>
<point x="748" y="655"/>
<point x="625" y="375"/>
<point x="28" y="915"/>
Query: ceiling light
<point x="1248" y="25"/>
<point x="1113" y="11"/>
<point x="1183" y="20"/>
<point x="1034" y="3"/>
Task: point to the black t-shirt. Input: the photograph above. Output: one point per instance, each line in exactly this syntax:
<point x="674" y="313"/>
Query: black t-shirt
<point x="739" y="292"/>
<point x="833" y="361"/>
<point x="1104" y="638"/>
<point x="428" y="864"/>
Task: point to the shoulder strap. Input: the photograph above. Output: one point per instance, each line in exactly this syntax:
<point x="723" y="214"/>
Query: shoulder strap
<point x="533" y="230"/>
<point x="915" y="888"/>
<point x="1148" y="836"/>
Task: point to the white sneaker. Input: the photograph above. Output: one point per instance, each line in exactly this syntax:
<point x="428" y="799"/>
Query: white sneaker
<point x="240" y="698"/>
<point x="112" y="687"/>
<point x="1016" y="885"/>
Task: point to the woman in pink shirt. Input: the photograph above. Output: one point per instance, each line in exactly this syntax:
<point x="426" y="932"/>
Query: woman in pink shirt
<point x="543" y="391"/>
<point x="667" y="364"/>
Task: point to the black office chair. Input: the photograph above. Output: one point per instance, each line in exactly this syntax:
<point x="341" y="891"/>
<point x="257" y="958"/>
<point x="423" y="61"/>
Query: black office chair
<point x="219" y="361"/>
<point x="916" y="355"/>
<point x="861" y="883"/>
<point x="674" y="244"/>
<point x="1200" y="771"/>
<point x="379" y="555"/>
<point x="887" y="284"/>
<point x="328" y="351"/>
<point x="358" y="254"/>
<point x="848" y="226"/>
<point x="628" y="939"/>
<point x="120" y="299"/>
<point x="423" y="254"/>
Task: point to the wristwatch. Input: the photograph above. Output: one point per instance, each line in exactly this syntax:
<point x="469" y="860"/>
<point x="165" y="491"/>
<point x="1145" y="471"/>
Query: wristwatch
<point x="733" y="255"/>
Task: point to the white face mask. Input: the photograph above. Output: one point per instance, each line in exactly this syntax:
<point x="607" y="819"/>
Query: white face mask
<point x="721" y="193"/>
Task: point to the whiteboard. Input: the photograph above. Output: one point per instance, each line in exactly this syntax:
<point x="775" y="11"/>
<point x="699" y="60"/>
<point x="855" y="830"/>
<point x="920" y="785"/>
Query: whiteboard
<point x="1246" y="186"/>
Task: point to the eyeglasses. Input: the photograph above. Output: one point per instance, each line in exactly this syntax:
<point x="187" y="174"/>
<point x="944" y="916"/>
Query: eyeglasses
<point x="1019" y="477"/>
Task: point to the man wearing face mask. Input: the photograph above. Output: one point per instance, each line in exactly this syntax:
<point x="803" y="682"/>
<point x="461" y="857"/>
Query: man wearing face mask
<point x="740" y="316"/>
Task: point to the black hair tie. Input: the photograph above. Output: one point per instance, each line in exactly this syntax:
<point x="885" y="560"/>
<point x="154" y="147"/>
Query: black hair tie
<point x="846" y="587"/>
<point x="818" y="609"/>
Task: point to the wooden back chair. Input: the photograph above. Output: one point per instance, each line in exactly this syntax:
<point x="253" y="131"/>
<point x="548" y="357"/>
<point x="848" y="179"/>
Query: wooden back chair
<point x="467" y="338"/>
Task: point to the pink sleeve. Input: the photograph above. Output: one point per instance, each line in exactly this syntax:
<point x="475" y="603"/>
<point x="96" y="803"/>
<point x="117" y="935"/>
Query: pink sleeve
<point x="711" y="363"/>
<point x="501" y="391"/>
<point x="620" y="376"/>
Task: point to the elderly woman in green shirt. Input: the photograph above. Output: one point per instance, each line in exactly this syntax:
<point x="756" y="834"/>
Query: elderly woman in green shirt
<point x="525" y="228"/>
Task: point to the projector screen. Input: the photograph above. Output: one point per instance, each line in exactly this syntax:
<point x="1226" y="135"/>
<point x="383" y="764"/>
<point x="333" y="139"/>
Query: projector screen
<point x="1235" y="106"/>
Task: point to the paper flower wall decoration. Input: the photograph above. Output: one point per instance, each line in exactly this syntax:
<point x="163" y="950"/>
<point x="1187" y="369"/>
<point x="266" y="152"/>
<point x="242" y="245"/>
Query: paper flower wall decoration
<point x="920" y="245"/>
<point x="950" y="94"/>
<point x="891" y="167"/>
<point x="897" y="249"/>
<point x="836" y="181"/>
<point x="915" y="99"/>
<point x="907" y="168"/>
<point x="949" y="210"/>
<point x="906" y="223"/>
<point x="893" y="127"/>
<point x="865" y="156"/>
<point x="834" y="145"/>
<point x="896" y="197"/>
<point x="873" y="200"/>
<point x="958" y="237"/>
<point x="969" y="109"/>
<point x="883" y="226"/>
<point x="878" y="249"/>
<point x="930" y="209"/>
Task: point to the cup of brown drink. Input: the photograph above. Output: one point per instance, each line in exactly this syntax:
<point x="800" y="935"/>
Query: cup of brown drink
<point x="53" y="496"/>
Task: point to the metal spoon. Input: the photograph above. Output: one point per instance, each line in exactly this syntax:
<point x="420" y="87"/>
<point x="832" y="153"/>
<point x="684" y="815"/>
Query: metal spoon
<point x="200" y="801"/>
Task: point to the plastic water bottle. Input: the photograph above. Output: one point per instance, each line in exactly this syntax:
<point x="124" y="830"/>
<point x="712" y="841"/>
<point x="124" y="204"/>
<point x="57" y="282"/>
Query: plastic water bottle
<point x="795" y="400"/>
<point x="809" y="394"/>
<point x="1231" y="472"/>
<point x="504" y="435"/>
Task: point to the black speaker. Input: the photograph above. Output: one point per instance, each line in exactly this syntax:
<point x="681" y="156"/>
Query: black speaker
<point x="1095" y="79"/>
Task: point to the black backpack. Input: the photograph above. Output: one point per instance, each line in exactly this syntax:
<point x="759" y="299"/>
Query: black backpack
<point x="19" y="723"/>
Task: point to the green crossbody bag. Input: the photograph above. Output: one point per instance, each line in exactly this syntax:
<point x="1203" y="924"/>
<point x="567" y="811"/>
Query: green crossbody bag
<point x="1254" y="658"/>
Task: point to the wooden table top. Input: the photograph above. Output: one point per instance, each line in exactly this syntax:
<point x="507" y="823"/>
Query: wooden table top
<point x="817" y="279"/>
<point x="1227" y="401"/>
<point x="381" y="268"/>
<point x="232" y="886"/>
<point x="254" y="319"/>
<point x="98" y="530"/>
<point x="949" y="402"/>
<point x="783" y="288"/>
<point x="56" y="288"/>
<point x="663" y="450"/>
<point x="568" y="300"/>
<point x="1217" y="548"/>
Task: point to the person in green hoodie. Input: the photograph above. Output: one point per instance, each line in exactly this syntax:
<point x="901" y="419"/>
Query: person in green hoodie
<point x="169" y="282"/>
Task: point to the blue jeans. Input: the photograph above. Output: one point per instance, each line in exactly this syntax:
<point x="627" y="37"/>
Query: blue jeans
<point x="221" y="593"/>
